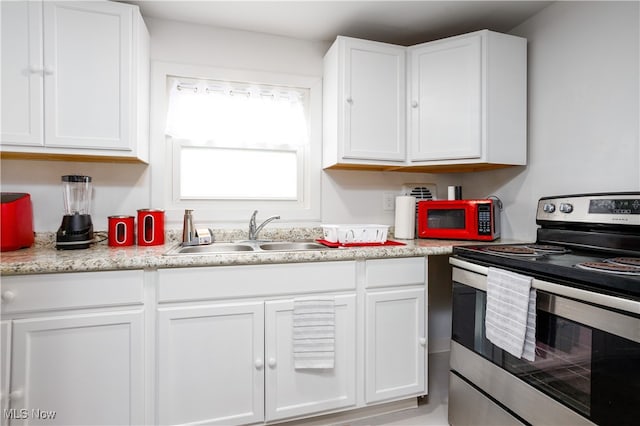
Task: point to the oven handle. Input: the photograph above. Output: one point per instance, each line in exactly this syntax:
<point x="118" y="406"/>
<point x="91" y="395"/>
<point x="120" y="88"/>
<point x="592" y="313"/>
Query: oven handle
<point x="605" y="300"/>
<point x="612" y="322"/>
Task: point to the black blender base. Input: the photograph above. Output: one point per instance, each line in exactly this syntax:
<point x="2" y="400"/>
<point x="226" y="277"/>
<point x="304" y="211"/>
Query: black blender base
<point x="76" y="232"/>
<point x="71" y="245"/>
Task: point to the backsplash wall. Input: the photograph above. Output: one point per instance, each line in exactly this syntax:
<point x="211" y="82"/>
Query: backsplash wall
<point x="583" y="108"/>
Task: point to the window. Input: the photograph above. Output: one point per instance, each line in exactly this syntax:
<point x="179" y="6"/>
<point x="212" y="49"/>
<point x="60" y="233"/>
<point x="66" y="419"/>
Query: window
<point x="238" y="142"/>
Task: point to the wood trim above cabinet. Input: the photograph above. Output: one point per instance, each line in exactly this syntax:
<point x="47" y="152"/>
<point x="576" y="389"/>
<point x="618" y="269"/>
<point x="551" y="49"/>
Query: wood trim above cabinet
<point x="69" y="157"/>
<point x="436" y="168"/>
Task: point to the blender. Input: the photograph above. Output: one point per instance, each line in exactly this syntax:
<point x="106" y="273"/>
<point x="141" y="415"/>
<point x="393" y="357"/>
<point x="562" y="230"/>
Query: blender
<point x="76" y="230"/>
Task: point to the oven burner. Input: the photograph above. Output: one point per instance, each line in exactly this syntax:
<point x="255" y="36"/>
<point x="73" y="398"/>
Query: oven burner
<point x="629" y="261"/>
<point x="513" y="250"/>
<point x="529" y="250"/>
<point x="546" y="248"/>
<point x="610" y="267"/>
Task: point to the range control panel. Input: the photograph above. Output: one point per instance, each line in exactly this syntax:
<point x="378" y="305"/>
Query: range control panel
<point x="611" y="209"/>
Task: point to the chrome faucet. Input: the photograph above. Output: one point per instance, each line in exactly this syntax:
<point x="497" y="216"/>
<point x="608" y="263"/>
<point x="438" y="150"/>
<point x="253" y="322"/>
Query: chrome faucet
<point x="253" y="230"/>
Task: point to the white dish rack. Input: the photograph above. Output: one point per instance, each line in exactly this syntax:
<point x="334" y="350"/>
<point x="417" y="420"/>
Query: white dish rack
<point x="348" y="234"/>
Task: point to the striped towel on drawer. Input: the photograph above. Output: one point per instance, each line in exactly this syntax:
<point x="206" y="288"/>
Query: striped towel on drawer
<point x="314" y="333"/>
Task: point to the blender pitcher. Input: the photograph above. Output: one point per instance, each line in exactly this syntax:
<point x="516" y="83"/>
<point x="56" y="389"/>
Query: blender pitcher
<point x="76" y="230"/>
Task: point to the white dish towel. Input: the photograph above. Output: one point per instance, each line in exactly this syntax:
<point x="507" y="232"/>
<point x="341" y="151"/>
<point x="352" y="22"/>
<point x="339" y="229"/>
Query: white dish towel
<point x="314" y="333"/>
<point x="510" y="321"/>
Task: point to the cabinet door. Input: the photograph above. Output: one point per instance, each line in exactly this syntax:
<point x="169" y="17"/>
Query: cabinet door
<point x="446" y="100"/>
<point x="395" y="344"/>
<point x="79" y="370"/>
<point x="210" y="364"/>
<point x="374" y="101"/>
<point x="87" y="58"/>
<point x="295" y="392"/>
<point x="5" y="365"/>
<point x="22" y="72"/>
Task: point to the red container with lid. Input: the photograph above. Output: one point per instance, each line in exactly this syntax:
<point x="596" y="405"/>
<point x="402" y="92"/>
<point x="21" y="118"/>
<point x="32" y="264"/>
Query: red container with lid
<point x="150" y="227"/>
<point x="121" y="231"/>
<point x="16" y="221"/>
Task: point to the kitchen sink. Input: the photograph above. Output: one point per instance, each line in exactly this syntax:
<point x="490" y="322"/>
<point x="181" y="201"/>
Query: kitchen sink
<point x="210" y="249"/>
<point x="291" y="246"/>
<point x="244" y="246"/>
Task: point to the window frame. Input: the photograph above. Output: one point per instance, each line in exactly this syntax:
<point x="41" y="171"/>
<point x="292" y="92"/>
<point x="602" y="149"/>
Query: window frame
<point x="162" y="151"/>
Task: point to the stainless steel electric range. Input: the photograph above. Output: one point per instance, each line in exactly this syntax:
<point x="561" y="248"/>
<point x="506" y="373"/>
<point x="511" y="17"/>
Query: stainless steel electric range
<point x="585" y="266"/>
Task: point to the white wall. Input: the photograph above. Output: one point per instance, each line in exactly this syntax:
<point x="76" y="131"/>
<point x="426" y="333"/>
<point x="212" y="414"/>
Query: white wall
<point x="347" y="196"/>
<point x="119" y="189"/>
<point x="584" y="113"/>
<point x="583" y="121"/>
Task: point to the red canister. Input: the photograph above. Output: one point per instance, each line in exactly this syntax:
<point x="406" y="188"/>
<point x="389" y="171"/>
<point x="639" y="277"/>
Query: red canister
<point x="150" y="227"/>
<point x="121" y="231"/>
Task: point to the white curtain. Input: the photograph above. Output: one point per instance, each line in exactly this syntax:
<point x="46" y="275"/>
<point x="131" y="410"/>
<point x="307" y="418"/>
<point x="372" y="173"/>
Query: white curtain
<point x="218" y="112"/>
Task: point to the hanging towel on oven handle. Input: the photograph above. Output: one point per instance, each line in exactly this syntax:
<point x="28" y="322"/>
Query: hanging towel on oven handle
<point x="510" y="321"/>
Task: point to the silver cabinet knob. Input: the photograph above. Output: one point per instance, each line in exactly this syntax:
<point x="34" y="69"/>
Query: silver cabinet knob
<point x="549" y="208"/>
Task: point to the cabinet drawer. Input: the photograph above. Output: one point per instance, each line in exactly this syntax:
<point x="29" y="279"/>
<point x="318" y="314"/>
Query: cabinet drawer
<point x="394" y="272"/>
<point x="28" y="293"/>
<point x="224" y="282"/>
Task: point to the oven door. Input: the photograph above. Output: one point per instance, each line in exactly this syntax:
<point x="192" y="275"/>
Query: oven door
<point x="587" y="357"/>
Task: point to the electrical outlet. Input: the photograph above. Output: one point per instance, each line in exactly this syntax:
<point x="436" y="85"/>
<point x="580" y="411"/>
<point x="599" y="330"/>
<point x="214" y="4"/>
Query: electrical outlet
<point x="388" y="201"/>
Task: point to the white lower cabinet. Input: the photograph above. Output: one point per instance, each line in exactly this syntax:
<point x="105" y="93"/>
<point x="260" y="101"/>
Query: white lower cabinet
<point x="5" y="365"/>
<point x="79" y="370"/>
<point x="73" y="349"/>
<point x="207" y="345"/>
<point x="294" y="392"/>
<point x="395" y="327"/>
<point x="225" y="343"/>
<point x="395" y="347"/>
<point x="211" y="364"/>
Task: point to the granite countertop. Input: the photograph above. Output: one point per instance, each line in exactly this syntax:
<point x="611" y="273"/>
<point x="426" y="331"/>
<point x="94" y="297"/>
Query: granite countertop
<point x="43" y="257"/>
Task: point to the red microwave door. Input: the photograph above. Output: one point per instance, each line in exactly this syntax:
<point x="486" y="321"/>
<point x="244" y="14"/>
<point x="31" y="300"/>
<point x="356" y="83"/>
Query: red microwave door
<point x="446" y="222"/>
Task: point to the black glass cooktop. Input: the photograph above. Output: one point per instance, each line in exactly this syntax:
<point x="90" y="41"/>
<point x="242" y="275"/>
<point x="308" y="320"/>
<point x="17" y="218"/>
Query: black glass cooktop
<point x="581" y="268"/>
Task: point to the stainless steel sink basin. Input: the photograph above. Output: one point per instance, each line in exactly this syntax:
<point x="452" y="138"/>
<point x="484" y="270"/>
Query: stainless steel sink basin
<point x="291" y="246"/>
<point x="210" y="249"/>
<point x="244" y="246"/>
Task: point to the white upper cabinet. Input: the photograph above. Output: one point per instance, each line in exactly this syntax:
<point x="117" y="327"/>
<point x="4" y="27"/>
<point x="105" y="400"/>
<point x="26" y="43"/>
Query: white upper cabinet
<point x="74" y="80"/>
<point x="467" y="97"/>
<point x="364" y="104"/>
<point x="445" y="98"/>
<point x="462" y="107"/>
<point x="22" y="73"/>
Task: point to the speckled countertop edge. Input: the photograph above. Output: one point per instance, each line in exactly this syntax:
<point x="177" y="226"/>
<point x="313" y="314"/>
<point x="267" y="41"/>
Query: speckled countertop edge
<point x="44" y="258"/>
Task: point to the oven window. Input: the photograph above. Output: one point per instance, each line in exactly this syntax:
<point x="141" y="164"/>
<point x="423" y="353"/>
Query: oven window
<point x="562" y="366"/>
<point x="468" y="312"/>
<point x="446" y="219"/>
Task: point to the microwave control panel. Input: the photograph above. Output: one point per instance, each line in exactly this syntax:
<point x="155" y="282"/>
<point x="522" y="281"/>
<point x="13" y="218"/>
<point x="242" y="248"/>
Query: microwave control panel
<point x="484" y="219"/>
